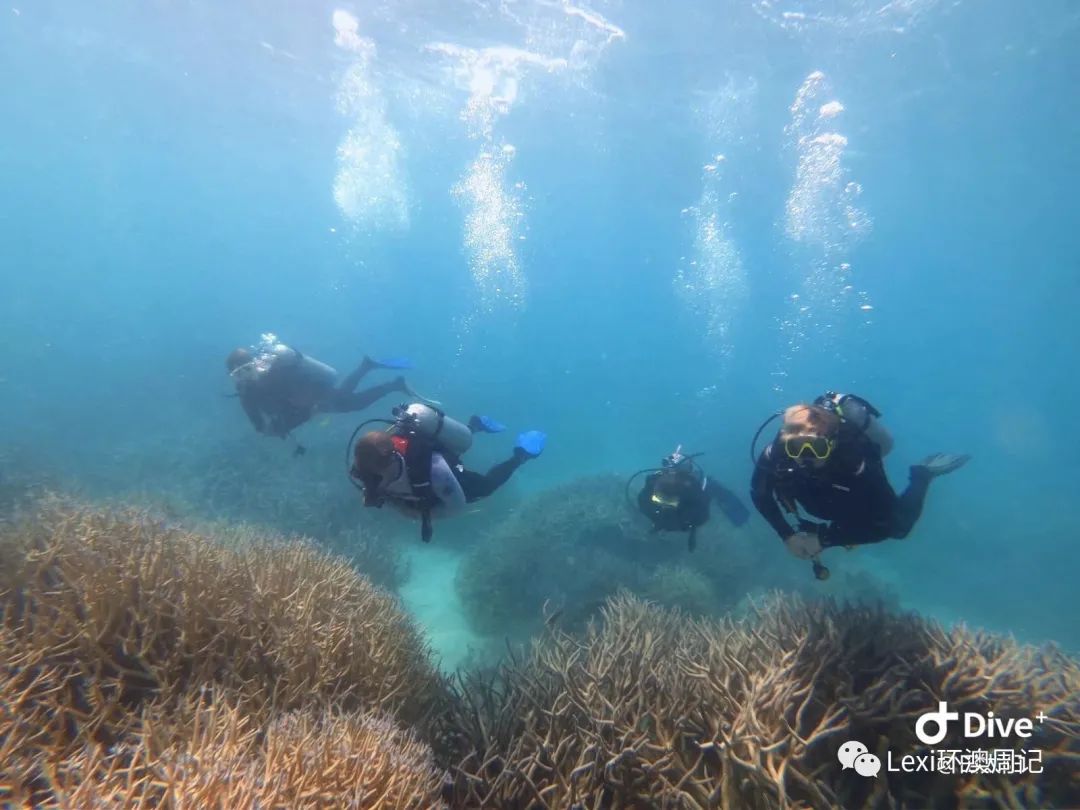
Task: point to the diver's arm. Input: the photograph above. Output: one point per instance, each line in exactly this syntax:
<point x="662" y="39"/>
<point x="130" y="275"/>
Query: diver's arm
<point x="644" y="498"/>
<point x="728" y="501"/>
<point x="762" y="494"/>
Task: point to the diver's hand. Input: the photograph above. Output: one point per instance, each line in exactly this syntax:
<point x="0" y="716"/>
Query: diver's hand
<point x="803" y="545"/>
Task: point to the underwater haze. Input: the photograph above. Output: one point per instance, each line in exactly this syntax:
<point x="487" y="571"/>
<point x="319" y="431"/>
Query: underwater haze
<point x="632" y="225"/>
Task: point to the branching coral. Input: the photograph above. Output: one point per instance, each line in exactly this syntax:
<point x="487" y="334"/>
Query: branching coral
<point x="683" y="587"/>
<point x="257" y="483"/>
<point x="219" y="758"/>
<point x="577" y="544"/>
<point x="652" y="709"/>
<point x="104" y="613"/>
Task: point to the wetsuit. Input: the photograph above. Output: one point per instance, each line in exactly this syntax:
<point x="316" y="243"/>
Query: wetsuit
<point x="851" y="492"/>
<point x="294" y="387"/>
<point x="688" y="495"/>
<point x="432" y="482"/>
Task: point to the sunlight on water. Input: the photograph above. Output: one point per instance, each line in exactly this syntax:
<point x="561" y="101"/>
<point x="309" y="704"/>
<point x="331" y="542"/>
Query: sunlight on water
<point x="369" y="187"/>
<point x="491" y="77"/>
<point x="857" y="16"/>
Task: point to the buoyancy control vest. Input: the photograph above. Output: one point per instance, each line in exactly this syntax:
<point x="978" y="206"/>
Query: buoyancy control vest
<point x="425" y="479"/>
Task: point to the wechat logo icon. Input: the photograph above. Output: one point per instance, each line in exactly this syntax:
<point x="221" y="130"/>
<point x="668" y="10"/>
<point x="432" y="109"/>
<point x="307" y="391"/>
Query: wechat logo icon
<point x="853" y="754"/>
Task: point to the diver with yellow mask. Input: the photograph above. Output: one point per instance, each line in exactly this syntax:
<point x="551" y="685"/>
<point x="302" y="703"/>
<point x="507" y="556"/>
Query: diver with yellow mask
<point x="677" y="495"/>
<point x="827" y="460"/>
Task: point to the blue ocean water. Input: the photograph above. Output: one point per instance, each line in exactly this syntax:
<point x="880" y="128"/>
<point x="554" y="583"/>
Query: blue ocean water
<point x="633" y="225"/>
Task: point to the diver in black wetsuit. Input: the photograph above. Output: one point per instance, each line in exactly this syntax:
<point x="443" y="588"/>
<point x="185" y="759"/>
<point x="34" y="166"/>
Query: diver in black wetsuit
<point x="281" y="389"/>
<point x="827" y="459"/>
<point x="676" y="497"/>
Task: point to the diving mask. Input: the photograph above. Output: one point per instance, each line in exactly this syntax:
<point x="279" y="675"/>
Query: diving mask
<point x="818" y="446"/>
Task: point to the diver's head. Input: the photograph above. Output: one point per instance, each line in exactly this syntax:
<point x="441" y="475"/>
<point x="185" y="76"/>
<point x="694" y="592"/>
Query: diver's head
<point x="808" y="434"/>
<point x="237" y="357"/>
<point x="374" y="456"/>
<point x="674" y="459"/>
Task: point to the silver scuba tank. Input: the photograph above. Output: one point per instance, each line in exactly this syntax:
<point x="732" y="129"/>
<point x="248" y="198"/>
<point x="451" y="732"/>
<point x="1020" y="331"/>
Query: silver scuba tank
<point x="861" y="414"/>
<point x="313" y="371"/>
<point x="446" y="433"/>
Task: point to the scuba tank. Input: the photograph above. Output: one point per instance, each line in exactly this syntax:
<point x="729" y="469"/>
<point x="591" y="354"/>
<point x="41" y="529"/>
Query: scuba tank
<point x="317" y="372"/>
<point x="417" y="419"/>
<point x="435" y="426"/>
<point x="860" y="414"/>
<point x="312" y="371"/>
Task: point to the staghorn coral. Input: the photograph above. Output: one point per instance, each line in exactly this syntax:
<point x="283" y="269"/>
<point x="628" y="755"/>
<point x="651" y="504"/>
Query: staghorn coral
<point x="24" y="479"/>
<point x="103" y="613"/>
<point x="650" y="709"/>
<point x="575" y="545"/>
<point x="570" y="546"/>
<point x="257" y="482"/>
<point x="218" y="757"/>
<point x="681" y="586"/>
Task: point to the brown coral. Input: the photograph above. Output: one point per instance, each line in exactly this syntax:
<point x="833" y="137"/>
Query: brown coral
<point x="218" y="757"/>
<point x="650" y="709"/>
<point x="104" y="613"/>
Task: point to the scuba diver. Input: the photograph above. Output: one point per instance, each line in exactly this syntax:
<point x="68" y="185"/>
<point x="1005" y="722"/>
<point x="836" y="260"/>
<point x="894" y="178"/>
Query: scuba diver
<point x="415" y="464"/>
<point x="827" y="458"/>
<point x="280" y="389"/>
<point x="676" y="497"/>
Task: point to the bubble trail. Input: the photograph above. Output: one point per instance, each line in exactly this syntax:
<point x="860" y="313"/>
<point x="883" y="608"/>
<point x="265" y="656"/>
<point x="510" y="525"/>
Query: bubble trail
<point x="369" y="186"/>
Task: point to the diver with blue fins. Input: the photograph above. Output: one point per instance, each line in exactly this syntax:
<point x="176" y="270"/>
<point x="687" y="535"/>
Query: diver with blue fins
<point x="280" y="389"/>
<point x="415" y="464"/>
<point x="677" y="495"/>
<point x="827" y="459"/>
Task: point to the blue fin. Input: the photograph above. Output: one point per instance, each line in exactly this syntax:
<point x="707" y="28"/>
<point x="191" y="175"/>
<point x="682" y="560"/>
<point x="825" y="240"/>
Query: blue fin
<point x="532" y="442"/>
<point x="485" y="424"/>
<point x="394" y="362"/>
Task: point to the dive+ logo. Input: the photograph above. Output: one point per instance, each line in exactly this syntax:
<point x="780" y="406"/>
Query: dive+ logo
<point x="975" y="725"/>
<point x="853" y="754"/>
<point x="933" y="727"/>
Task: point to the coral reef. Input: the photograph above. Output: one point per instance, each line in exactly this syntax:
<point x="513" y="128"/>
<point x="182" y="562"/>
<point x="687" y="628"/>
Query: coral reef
<point x="23" y="480"/>
<point x="651" y="709"/>
<point x="220" y="758"/>
<point x="679" y="585"/>
<point x="256" y="481"/>
<point x="104" y="614"/>
<point x="573" y="546"/>
<point x="146" y="665"/>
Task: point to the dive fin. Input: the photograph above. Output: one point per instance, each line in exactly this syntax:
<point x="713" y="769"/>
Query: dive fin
<point x="944" y="463"/>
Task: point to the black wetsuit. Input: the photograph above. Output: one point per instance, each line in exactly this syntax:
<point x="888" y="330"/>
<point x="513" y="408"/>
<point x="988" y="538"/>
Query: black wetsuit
<point x="692" y="493"/>
<point x="851" y="492"/>
<point x="284" y="396"/>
